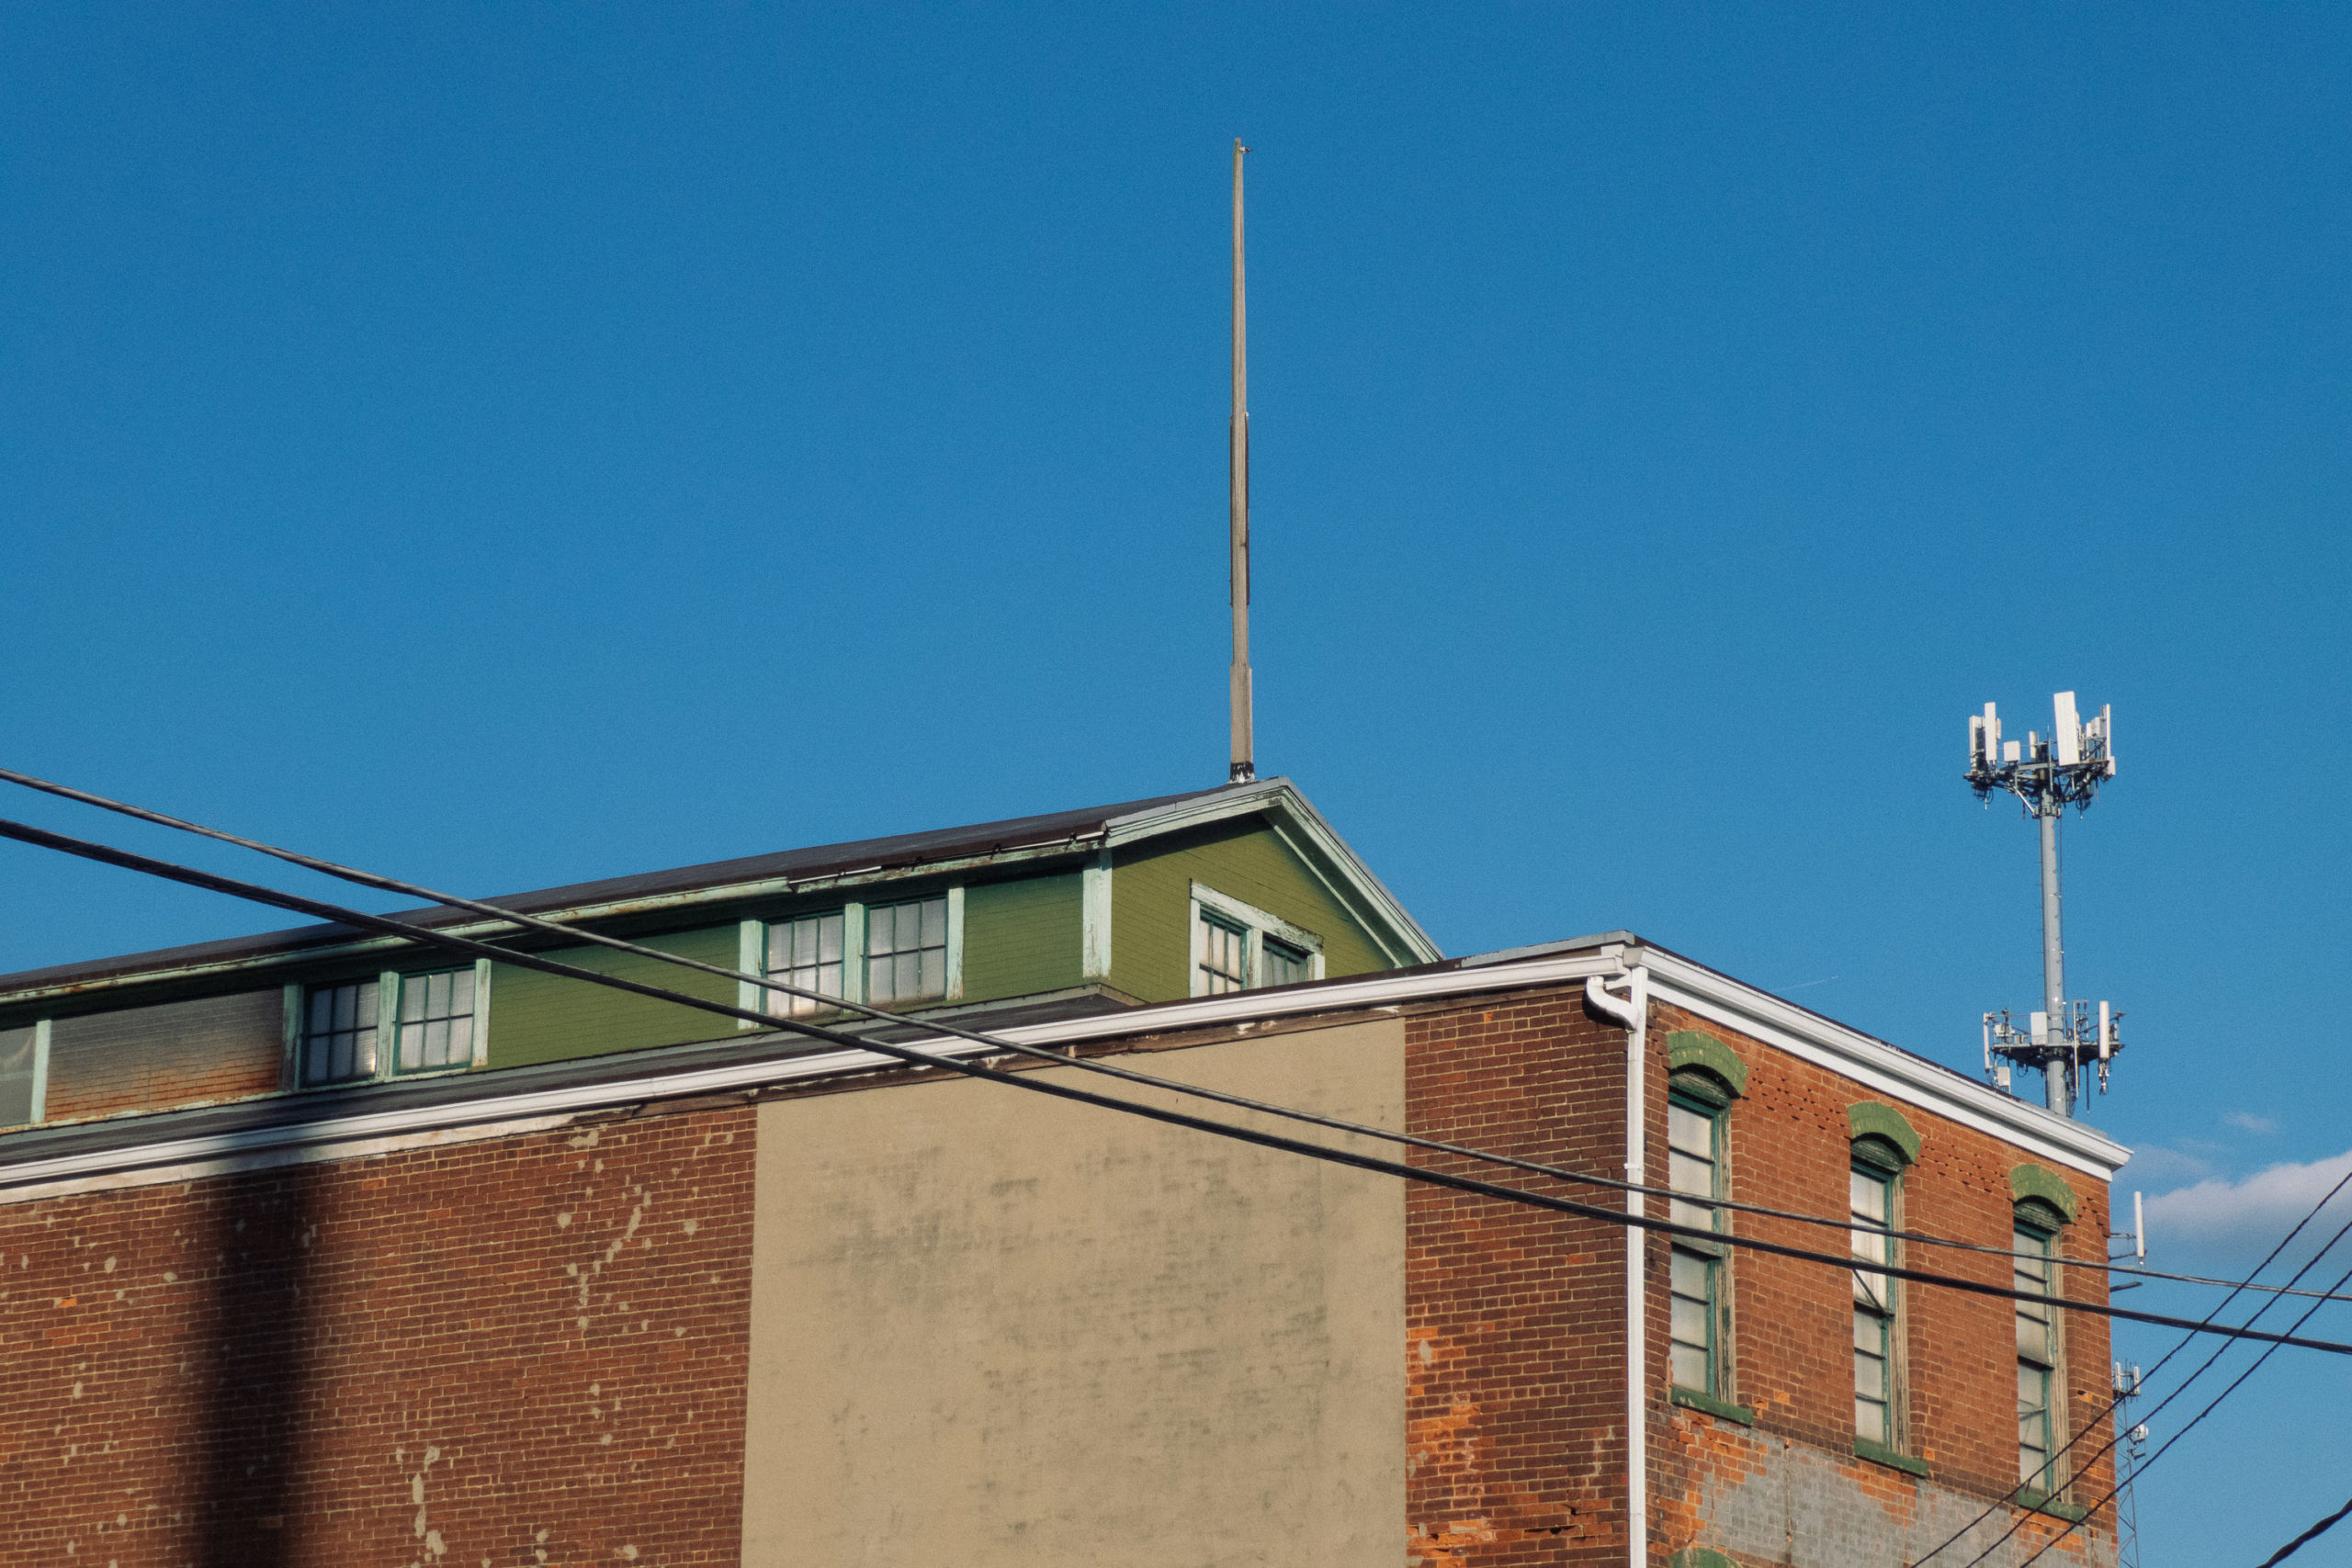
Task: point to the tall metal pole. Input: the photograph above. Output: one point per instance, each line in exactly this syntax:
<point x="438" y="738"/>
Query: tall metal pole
<point x="1244" y="764"/>
<point x="2053" y="958"/>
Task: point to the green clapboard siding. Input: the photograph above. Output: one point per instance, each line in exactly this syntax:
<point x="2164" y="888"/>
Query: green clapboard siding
<point x="545" y="1018"/>
<point x="1021" y="937"/>
<point x="1151" y="945"/>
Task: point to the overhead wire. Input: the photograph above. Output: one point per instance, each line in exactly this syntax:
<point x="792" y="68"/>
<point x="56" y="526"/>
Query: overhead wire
<point x="2313" y="1534"/>
<point x="2088" y="1427"/>
<point x="937" y="1026"/>
<point x="914" y="1056"/>
<point x="2210" y="1405"/>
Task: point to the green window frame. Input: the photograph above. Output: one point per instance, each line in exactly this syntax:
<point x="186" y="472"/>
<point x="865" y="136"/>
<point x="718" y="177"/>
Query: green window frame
<point x="1695" y="1125"/>
<point x="369" y="1028"/>
<point x="1237" y="946"/>
<point x="1871" y="1203"/>
<point x="2035" y="1268"/>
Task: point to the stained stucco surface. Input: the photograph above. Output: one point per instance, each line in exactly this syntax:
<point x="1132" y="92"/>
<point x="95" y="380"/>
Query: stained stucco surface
<point x="993" y="1329"/>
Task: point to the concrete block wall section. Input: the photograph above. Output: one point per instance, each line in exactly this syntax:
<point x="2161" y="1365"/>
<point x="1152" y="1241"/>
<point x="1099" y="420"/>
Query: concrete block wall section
<point x="518" y="1353"/>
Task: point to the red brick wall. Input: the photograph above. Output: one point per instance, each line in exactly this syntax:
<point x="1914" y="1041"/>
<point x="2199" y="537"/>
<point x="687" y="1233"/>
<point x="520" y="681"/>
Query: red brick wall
<point x="1789" y="1147"/>
<point x="1516" y="1396"/>
<point x="521" y="1351"/>
<point x="1514" y="1318"/>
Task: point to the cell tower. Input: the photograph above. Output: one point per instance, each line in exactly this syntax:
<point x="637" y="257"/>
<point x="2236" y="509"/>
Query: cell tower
<point x="2048" y="774"/>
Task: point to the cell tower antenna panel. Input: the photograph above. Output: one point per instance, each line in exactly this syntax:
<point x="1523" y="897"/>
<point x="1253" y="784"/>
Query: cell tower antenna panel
<point x="2047" y="776"/>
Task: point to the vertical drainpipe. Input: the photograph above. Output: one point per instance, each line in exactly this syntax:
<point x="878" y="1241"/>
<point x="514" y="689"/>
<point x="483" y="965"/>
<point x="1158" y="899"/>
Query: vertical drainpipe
<point x="1634" y="1011"/>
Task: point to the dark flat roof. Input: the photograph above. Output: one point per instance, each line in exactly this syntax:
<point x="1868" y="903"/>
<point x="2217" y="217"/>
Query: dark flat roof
<point x="900" y="850"/>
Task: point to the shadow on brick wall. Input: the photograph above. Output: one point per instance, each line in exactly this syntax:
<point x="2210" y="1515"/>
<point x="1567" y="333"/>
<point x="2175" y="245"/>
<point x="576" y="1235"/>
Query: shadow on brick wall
<point x="249" y="1416"/>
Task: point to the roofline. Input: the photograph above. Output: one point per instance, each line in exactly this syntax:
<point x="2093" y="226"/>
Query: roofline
<point x="496" y="1110"/>
<point x="1341" y="871"/>
<point x="1328" y="856"/>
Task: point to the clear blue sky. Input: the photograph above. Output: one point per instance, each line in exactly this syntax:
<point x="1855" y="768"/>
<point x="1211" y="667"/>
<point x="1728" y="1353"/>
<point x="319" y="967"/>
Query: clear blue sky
<point x="506" y="446"/>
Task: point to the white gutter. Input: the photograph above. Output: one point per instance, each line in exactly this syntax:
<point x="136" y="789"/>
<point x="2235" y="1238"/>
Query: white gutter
<point x="166" y="1155"/>
<point x="1633" y="1013"/>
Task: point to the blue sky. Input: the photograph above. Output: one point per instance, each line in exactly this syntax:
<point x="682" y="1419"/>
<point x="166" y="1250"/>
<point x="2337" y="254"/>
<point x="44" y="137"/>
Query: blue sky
<point x="506" y="446"/>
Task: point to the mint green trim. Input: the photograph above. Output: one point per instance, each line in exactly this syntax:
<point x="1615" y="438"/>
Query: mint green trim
<point x="852" y="953"/>
<point x="1700" y="1557"/>
<point x="38" y="1108"/>
<point x="1879" y="1453"/>
<point x="388" y="1026"/>
<point x="2036" y="1500"/>
<point x="1094" y="918"/>
<point x="2036" y="1181"/>
<point x="1870" y="1119"/>
<point x="481" y="1013"/>
<point x="1691" y="1399"/>
<point x="954" y="958"/>
<point x="1689" y="1048"/>
<point x="752" y="958"/>
<point x="290" y="1071"/>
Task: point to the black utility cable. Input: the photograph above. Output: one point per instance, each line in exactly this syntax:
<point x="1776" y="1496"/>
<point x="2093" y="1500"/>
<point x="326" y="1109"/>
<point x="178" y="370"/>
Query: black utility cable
<point x="2141" y="1467"/>
<point x="2309" y="1536"/>
<point x="2115" y="1436"/>
<point x="2088" y="1427"/>
<point x="913" y="1055"/>
<point x="579" y="933"/>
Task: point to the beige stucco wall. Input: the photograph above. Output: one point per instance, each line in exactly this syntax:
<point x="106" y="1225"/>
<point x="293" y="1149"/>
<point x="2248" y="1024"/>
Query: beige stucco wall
<point x="989" y="1328"/>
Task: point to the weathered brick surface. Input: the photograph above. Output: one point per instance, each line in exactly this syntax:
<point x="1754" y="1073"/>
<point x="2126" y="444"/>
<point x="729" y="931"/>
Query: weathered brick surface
<point x="512" y="1352"/>
<point x="1515" y="1320"/>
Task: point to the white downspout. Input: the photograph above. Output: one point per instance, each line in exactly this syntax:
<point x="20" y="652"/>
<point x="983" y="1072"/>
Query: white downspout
<point x="1634" y="1011"/>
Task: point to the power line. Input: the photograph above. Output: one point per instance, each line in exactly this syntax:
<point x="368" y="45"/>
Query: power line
<point x="2309" y="1536"/>
<point x="558" y="928"/>
<point x="2210" y="1406"/>
<point x="913" y="1055"/>
<point x="2091" y="1425"/>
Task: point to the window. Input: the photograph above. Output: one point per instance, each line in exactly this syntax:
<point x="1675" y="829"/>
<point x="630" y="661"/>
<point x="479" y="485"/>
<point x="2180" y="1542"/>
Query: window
<point x="1239" y="947"/>
<point x="806" y="952"/>
<point x="24" y="1073"/>
<point x="339" y="1036"/>
<point x="436" y="1020"/>
<point x="906" y="951"/>
<point x="433" y="1023"/>
<point x="1873" y="1205"/>
<point x="1224" y="957"/>
<point x="2034" y="1270"/>
<point x="1694" y="1165"/>
<point x="887" y="955"/>
<point x="1285" y="965"/>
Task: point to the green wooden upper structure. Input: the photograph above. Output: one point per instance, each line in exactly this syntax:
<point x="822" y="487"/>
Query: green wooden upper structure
<point x="1081" y="911"/>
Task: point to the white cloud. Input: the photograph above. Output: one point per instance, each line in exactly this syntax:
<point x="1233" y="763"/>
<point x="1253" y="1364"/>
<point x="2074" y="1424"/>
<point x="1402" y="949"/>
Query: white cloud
<point x="2216" y="1224"/>
<point x="2155" y="1166"/>
<point x="2248" y="1122"/>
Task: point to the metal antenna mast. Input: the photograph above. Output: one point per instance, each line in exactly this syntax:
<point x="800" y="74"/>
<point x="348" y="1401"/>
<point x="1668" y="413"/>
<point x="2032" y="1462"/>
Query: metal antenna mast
<point x="1245" y="767"/>
<point x="2048" y="774"/>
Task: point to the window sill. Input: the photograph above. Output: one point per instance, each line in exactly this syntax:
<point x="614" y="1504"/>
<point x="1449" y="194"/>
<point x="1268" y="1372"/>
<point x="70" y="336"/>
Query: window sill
<point x="2040" y="1502"/>
<point x="1722" y="1409"/>
<point x="1879" y="1453"/>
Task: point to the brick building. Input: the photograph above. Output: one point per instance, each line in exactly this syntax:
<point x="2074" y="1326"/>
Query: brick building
<point x="320" y="1249"/>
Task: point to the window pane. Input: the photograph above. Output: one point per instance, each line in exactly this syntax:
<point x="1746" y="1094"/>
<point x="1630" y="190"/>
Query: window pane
<point x="1690" y="1320"/>
<point x="804" y="952"/>
<point x="1690" y="1367"/>
<point x="339" y="1036"/>
<point x="1689" y="1131"/>
<point x="1224" y="957"/>
<point x="1285" y="965"/>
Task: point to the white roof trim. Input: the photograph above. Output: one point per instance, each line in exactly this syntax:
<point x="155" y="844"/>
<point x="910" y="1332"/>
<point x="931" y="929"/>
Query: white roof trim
<point x="1676" y="980"/>
<point x="1339" y="868"/>
<point x="1872" y="1062"/>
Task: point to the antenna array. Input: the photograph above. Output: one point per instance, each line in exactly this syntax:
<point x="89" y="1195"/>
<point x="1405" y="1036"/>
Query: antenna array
<point x="2048" y="774"/>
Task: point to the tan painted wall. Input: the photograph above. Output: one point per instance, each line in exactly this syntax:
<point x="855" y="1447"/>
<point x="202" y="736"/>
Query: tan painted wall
<point x="992" y="1328"/>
